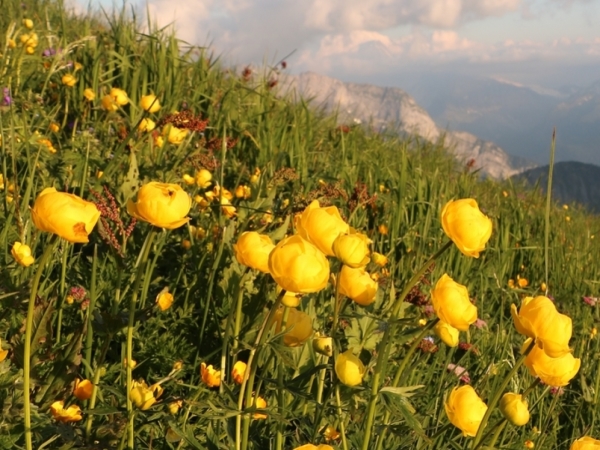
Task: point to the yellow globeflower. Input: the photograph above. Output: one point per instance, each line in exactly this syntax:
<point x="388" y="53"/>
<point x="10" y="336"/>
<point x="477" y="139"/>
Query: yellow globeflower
<point x="54" y="127"/>
<point x="465" y="409"/>
<point x="28" y="23"/>
<point x="357" y="285"/>
<point x="89" y="94"/>
<point x="60" y="414"/>
<point x="467" y="226"/>
<point x="585" y="443"/>
<point x="238" y="372"/>
<point x="291" y="299"/>
<point x="146" y="125"/>
<point x="552" y="371"/>
<point x="203" y="178"/>
<point x="108" y="103"/>
<point x="243" y="191"/>
<point x="119" y="96"/>
<point x="66" y="215"/>
<point x="22" y="254"/>
<point x="143" y="396"/>
<point x="164" y="300"/>
<point x="314" y="447"/>
<point x="83" y="389"/>
<point x="69" y="80"/>
<point x="174" y="406"/>
<point x="163" y="205"/>
<point x="252" y="250"/>
<point x="447" y="333"/>
<point x="539" y="319"/>
<point x="150" y="103"/>
<point x="452" y="305"/>
<point x="210" y="376"/>
<point x="323" y="345"/>
<point x="352" y="249"/>
<point x="261" y="403"/>
<point x="3" y="353"/>
<point x="349" y="369"/>
<point x="227" y="208"/>
<point x="298" y="327"/>
<point x="379" y="259"/>
<point x="321" y="226"/>
<point x="514" y="408"/>
<point x="298" y="266"/>
<point x="175" y="135"/>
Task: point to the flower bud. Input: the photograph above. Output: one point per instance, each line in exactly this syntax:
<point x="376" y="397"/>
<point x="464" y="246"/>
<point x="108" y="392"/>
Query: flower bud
<point x="323" y="345"/>
<point x="447" y="333"/>
<point x="22" y="254"/>
<point x="352" y="249"/>
<point x="514" y="408"/>
<point x="83" y="389"/>
<point x="465" y="409"/>
<point x="238" y="372"/>
<point x="210" y="376"/>
<point x="150" y="103"/>
<point x="349" y="369"/>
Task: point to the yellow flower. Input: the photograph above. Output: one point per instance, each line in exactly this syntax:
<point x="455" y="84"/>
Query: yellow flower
<point x="60" y="414"/>
<point x="238" y="372"/>
<point x="321" y="226"/>
<point x="146" y="125"/>
<point x="11" y="43"/>
<point x="3" y="353"/>
<point x="175" y="406"/>
<point x="54" y="127"/>
<point x="132" y="364"/>
<point x="447" y="333"/>
<point x="30" y="50"/>
<point x="227" y="208"/>
<point x="358" y="285"/>
<point x="210" y="376"/>
<point x="164" y="299"/>
<point x="452" y="305"/>
<point x="150" y="103"/>
<point x="108" y="103"/>
<point x="243" y="191"/>
<point x="175" y="135"/>
<point x="539" y="319"/>
<point x="66" y="215"/>
<point x="331" y="434"/>
<point x="69" y="80"/>
<point x="383" y="229"/>
<point x="261" y="403"/>
<point x="379" y="259"/>
<point x="22" y="254"/>
<point x="298" y="266"/>
<point x="314" y="447"/>
<point x="522" y="282"/>
<point x="291" y="299"/>
<point x="552" y="371"/>
<point x="298" y="327"/>
<point x="28" y="23"/>
<point x="252" y="250"/>
<point x="29" y="40"/>
<point x="349" y="369"/>
<point x="323" y="345"/>
<point x="89" y="94"/>
<point x="465" y="409"/>
<point x="529" y="444"/>
<point x="467" y="226"/>
<point x="514" y="408"/>
<point x="163" y="205"/>
<point x="585" y="443"/>
<point x="352" y="249"/>
<point x="159" y="141"/>
<point x="119" y="96"/>
<point x="188" y="179"/>
<point x="203" y="178"/>
<point x="143" y="396"/>
<point x="83" y="389"/>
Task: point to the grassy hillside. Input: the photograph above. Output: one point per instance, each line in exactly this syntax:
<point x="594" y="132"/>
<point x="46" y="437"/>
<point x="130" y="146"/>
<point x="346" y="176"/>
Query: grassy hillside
<point x="92" y="305"/>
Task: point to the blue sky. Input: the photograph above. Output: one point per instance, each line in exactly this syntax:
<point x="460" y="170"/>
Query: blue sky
<point x="548" y="43"/>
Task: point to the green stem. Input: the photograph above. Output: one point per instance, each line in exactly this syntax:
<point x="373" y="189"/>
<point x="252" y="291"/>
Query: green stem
<point x="61" y="299"/>
<point x="383" y="349"/>
<point x="492" y="404"/>
<point x="46" y="256"/>
<point x="141" y="262"/>
<point x="548" y="205"/>
<point x="342" y="424"/>
<point x="90" y="330"/>
<point x="92" y="405"/>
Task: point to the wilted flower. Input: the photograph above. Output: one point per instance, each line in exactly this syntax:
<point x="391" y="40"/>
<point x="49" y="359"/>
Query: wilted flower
<point x="22" y="254"/>
<point x="252" y="250"/>
<point x="514" y="408"/>
<point x="349" y="369"/>
<point x="465" y="409"/>
<point x="163" y="205"/>
<point x="83" y="389"/>
<point x="60" y="414"/>
<point x="467" y="226"/>
<point x="321" y="226"/>
<point x="298" y="266"/>
<point x="238" y="371"/>
<point x="210" y="376"/>
<point x="66" y="215"/>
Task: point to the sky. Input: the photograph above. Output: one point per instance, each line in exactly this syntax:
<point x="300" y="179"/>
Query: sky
<point x="547" y="43"/>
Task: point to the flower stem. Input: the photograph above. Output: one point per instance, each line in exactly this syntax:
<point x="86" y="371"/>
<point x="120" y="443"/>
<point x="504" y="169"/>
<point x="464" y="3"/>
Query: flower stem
<point x="478" y="438"/>
<point x="140" y="266"/>
<point x="90" y="311"/>
<point x="383" y="350"/>
<point x="27" y="347"/>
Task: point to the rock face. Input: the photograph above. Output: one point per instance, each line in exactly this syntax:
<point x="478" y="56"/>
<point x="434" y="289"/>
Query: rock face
<point x="383" y="107"/>
<point x="571" y="182"/>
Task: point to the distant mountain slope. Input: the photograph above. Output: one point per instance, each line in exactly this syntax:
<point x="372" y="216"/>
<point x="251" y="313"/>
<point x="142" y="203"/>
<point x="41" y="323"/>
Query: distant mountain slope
<point x="572" y="182"/>
<point x="385" y="106"/>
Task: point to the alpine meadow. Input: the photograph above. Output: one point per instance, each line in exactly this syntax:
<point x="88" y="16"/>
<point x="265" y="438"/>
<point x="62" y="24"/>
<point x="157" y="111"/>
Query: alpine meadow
<point x="194" y="258"/>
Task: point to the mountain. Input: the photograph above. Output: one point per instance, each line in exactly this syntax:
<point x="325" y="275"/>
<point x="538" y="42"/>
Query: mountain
<point x="571" y="182"/>
<point x="382" y="107"/>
